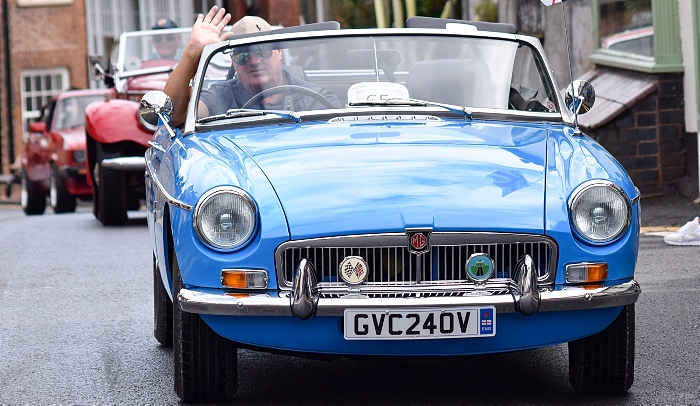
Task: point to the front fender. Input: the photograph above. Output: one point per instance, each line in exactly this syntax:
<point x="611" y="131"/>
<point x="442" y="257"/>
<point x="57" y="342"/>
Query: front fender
<point x="115" y="120"/>
<point x="109" y="122"/>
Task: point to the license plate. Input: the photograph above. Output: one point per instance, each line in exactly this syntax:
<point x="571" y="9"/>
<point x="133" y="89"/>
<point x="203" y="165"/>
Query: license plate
<point x="391" y="324"/>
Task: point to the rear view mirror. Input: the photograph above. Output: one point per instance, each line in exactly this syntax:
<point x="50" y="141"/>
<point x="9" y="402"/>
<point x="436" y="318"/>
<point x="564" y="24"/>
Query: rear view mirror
<point x="580" y="97"/>
<point x="37" y="127"/>
<point x="97" y="71"/>
<point x="156" y="108"/>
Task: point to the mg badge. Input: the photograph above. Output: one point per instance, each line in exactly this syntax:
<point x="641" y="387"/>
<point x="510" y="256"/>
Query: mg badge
<point x="354" y="270"/>
<point x="418" y="241"/>
<point x="479" y="267"/>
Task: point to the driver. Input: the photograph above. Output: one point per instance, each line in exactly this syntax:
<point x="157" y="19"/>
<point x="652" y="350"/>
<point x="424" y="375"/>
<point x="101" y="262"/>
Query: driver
<point x="256" y="71"/>
<point x="166" y="46"/>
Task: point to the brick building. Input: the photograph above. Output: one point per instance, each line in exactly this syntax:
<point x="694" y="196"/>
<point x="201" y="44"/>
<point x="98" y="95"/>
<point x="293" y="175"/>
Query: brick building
<point x="642" y="124"/>
<point x="44" y="47"/>
<point x="642" y="57"/>
<point x="647" y="112"/>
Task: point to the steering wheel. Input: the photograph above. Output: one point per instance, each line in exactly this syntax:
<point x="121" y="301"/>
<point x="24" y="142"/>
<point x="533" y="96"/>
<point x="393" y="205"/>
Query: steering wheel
<point x="288" y="89"/>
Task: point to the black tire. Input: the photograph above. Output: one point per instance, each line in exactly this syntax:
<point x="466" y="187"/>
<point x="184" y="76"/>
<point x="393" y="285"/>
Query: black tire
<point x="162" y="310"/>
<point x="61" y="201"/>
<point x="111" y="191"/>
<point x="205" y="364"/>
<point x="32" y="201"/>
<point x="604" y="362"/>
<point x="95" y="200"/>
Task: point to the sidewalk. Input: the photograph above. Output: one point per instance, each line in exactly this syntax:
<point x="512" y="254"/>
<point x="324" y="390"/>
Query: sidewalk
<point x="667" y="213"/>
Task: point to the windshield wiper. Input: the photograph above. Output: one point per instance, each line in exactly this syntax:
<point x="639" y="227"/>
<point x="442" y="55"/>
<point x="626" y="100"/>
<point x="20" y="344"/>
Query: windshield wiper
<point x="463" y="111"/>
<point x="238" y="113"/>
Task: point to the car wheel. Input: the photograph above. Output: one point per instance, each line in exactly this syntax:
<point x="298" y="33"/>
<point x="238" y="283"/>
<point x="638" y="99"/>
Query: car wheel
<point x="61" y="201"/>
<point x="205" y="364"/>
<point x="111" y="191"/>
<point x="604" y="362"/>
<point x="162" y="310"/>
<point x="31" y="200"/>
<point x="95" y="200"/>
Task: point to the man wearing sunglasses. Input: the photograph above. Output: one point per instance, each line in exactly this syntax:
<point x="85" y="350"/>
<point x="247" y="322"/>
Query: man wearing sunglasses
<point x="167" y="46"/>
<point x="256" y="70"/>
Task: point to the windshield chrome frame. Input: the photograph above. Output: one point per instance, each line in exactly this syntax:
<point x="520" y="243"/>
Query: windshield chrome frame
<point x="562" y="116"/>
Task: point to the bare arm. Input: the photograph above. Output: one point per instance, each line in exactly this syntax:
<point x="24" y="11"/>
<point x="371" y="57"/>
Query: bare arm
<point x="206" y="30"/>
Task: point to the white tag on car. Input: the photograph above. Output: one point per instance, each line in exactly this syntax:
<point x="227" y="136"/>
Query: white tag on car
<point x="376" y="92"/>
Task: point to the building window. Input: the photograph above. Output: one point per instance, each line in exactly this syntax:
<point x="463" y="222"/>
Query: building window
<point x="627" y="26"/>
<point x="38" y="86"/>
<point x="641" y="35"/>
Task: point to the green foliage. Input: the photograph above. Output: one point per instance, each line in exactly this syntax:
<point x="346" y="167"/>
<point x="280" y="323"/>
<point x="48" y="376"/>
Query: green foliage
<point x="429" y="8"/>
<point x="486" y="10"/>
<point x="360" y="13"/>
<point x="353" y="13"/>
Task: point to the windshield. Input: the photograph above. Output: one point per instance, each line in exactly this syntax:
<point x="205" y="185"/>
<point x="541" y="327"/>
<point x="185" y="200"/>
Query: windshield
<point x="70" y="111"/>
<point x="356" y="71"/>
<point x="150" y="49"/>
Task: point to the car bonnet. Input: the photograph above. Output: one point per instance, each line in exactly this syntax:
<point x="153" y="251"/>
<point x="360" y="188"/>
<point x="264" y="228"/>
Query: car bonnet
<point x="352" y="179"/>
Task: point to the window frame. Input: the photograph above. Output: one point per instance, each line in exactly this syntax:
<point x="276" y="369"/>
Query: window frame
<point x="44" y="94"/>
<point x="667" y="42"/>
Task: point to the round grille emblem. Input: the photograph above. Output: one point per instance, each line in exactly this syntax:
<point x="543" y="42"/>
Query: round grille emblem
<point x="354" y="270"/>
<point x="418" y="241"/>
<point x="479" y="267"/>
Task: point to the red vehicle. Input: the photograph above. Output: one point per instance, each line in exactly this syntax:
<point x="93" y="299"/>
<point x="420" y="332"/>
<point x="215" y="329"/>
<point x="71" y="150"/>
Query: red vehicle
<point x="116" y="137"/>
<point x="53" y="159"/>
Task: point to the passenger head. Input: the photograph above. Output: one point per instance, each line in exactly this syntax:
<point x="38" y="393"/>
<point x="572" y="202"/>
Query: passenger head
<point x="257" y="69"/>
<point x="166" y="45"/>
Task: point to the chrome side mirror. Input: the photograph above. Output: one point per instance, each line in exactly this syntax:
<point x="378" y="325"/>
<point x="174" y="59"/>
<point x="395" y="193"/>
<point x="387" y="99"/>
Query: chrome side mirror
<point x="154" y="106"/>
<point x="580" y="97"/>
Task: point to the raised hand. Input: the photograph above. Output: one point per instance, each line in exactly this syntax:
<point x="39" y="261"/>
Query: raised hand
<point x="207" y="29"/>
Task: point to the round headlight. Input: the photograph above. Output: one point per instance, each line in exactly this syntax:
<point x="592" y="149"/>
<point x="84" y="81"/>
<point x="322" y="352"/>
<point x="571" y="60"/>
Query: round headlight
<point x="225" y="218"/>
<point x="599" y="211"/>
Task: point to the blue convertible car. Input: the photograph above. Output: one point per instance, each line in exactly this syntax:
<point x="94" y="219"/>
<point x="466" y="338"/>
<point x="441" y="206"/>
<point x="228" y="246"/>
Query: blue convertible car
<point x="437" y="200"/>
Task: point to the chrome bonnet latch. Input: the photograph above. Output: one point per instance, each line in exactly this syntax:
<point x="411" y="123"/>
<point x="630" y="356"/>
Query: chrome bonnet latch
<point x="526" y="293"/>
<point x="304" y="298"/>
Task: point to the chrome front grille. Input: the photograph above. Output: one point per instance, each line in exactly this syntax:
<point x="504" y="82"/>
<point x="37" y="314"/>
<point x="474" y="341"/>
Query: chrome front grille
<point x="391" y="265"/>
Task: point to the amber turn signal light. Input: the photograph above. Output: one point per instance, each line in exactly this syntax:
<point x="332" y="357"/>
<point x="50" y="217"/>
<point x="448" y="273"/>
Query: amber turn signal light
<point x="586" y="273"/>
<point x="244" y="279"/>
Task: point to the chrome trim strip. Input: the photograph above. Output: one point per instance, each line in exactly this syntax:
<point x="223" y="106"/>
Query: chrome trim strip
<point x="125" y="163"/>
<point x="161" y="189"/>
<point x="384" y="117"/>
<point x="155" y="145"/>
<point x="567" y="299"/>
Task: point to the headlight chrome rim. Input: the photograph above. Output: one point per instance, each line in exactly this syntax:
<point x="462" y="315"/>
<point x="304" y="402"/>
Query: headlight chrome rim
<point x="587" y="187"/>
<point x="206" y="200"/>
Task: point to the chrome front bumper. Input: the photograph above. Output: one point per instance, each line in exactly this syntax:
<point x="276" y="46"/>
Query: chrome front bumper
<point x="267" y="305"/>
<point x="125" y="163"/>
<point x="304" y="301"/>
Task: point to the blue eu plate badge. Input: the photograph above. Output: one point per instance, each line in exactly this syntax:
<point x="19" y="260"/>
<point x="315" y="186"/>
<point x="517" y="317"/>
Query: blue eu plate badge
<point x="486" y="322"/>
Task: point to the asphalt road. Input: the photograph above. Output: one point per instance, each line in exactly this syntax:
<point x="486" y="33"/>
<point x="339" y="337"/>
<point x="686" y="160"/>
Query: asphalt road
<point x="76" y="328"/>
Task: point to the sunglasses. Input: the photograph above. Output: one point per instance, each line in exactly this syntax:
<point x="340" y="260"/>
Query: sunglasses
<point x="166" y="38"/>
<point x="243" y="57"/>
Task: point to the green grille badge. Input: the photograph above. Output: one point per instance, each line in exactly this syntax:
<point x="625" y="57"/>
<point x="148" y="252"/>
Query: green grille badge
<point x="479" y="267"/>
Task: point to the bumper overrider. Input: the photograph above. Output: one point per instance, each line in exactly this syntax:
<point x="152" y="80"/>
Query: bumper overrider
<point x="521" y="295"/>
